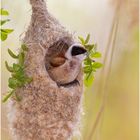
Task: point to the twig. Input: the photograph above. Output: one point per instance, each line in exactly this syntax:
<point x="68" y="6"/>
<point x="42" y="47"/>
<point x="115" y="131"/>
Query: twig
<point x="112" y="39"/>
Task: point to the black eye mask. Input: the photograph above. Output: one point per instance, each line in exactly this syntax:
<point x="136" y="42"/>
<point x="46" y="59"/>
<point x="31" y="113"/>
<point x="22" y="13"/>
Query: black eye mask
<point x="76" y="50"/>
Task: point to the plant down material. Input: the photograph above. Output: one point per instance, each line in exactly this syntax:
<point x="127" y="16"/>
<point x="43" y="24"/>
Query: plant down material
<point x="46" y="110"/>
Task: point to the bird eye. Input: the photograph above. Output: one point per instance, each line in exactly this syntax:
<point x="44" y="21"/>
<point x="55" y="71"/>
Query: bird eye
<point x="77" y="50"/>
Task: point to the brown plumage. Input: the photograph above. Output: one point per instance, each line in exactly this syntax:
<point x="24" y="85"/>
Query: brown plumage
<point x="57" y="61"/>
<point x="46" y="111"/>
<point x="65" y="73"/>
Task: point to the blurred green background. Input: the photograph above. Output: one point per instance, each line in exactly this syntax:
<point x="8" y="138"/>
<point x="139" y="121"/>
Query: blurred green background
<point x="119" y="119"/>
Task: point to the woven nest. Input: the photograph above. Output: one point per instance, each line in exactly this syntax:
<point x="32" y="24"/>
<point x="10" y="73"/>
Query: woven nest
<point x="46" y="111"/>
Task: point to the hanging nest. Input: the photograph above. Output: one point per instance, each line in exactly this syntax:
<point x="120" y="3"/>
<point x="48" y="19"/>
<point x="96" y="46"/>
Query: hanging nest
<point x="47" y="111"/>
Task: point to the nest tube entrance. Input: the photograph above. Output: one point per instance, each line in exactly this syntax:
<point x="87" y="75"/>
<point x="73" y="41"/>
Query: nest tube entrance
<point x="46" y="111"/>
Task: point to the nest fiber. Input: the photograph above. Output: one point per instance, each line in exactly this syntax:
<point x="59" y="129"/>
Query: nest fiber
<point x="46" y="111"/>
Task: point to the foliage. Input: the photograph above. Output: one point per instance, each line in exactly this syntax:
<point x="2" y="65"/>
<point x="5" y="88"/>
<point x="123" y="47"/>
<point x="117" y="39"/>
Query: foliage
<point x="18" y="77"/>
<point x="90" y="66"/>
<point x="4" y="32"/>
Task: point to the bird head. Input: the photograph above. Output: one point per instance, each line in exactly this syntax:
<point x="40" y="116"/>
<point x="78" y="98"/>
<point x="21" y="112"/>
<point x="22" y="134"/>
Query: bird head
<point x="76" y="51"/>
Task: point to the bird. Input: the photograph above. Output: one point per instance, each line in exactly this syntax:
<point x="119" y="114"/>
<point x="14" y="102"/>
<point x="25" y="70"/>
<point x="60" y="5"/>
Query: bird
<point x="64" y="65"/>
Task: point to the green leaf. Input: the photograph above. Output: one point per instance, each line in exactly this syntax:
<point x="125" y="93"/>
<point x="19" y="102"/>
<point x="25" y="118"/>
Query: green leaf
<point x="4" y="33"/>
<point x="7" y="31"/>
<point x="4" y="12"/>
<point x="21" y="58"/>
<point x="89" y="47"/>
<point x="16" y="67"/>
<point x="10" y="69"/>
<point x="87" y="69"/>
<point x="93" y="69"/>
<point x="82" y="40"/>
<point x="7" y="96"/>
<point x="87" y="39"/>
<point x="24" y="47"/>
<point x="12" y="54"/>
<point x="19" y="73"/>
<point x="97" y="65"/>
<point x="2" y="22"/>
<point x="95" y="55"/>
<point x="18" y="77"/>
<point x="88" y="82"/>
<point x="87" y="61"/>
<point x="14" y="83"/>
<point x="90" y="65"/>
<point x="88" y="75"/>
<point x="3" y="36"/>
